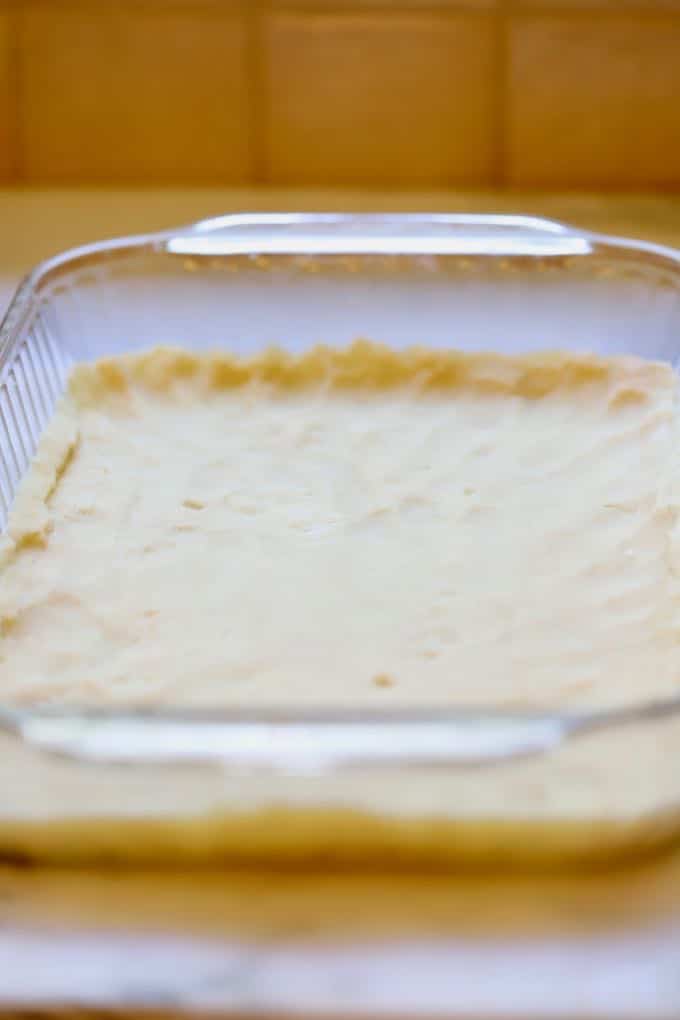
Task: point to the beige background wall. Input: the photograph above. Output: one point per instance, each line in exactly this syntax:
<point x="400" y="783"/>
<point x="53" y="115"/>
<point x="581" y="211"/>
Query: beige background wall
<point x="524" y="93"/>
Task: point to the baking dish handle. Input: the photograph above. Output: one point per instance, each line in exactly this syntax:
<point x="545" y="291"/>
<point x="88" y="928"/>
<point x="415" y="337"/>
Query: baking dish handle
<point x="376" y="234"/>
<point x="274" y="741"/>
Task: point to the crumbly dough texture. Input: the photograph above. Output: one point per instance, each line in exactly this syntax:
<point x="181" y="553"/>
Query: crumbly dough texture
<point x="355" y="528"/>
<point x="364" y="527"/>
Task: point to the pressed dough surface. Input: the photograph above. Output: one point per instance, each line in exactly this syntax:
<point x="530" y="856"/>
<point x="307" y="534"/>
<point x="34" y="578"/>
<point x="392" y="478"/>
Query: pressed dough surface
<point x="357" y="528"/>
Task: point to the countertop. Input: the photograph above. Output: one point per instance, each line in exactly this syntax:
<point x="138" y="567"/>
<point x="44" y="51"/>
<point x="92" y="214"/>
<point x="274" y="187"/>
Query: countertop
<point x="603" y="944"/>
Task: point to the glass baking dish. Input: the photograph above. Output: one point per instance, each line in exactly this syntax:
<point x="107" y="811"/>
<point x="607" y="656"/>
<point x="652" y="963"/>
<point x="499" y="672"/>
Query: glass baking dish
<point x="275" y="785"/>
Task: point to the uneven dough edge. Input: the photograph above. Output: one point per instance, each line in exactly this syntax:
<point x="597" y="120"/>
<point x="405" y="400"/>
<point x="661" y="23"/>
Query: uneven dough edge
<point x="29" y="520"/>
<point x="368" y="365"/>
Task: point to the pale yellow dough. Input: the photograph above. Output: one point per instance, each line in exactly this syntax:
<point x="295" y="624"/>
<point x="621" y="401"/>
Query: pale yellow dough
<point x="364" y="528"/>
<point x="358" y="528"/>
